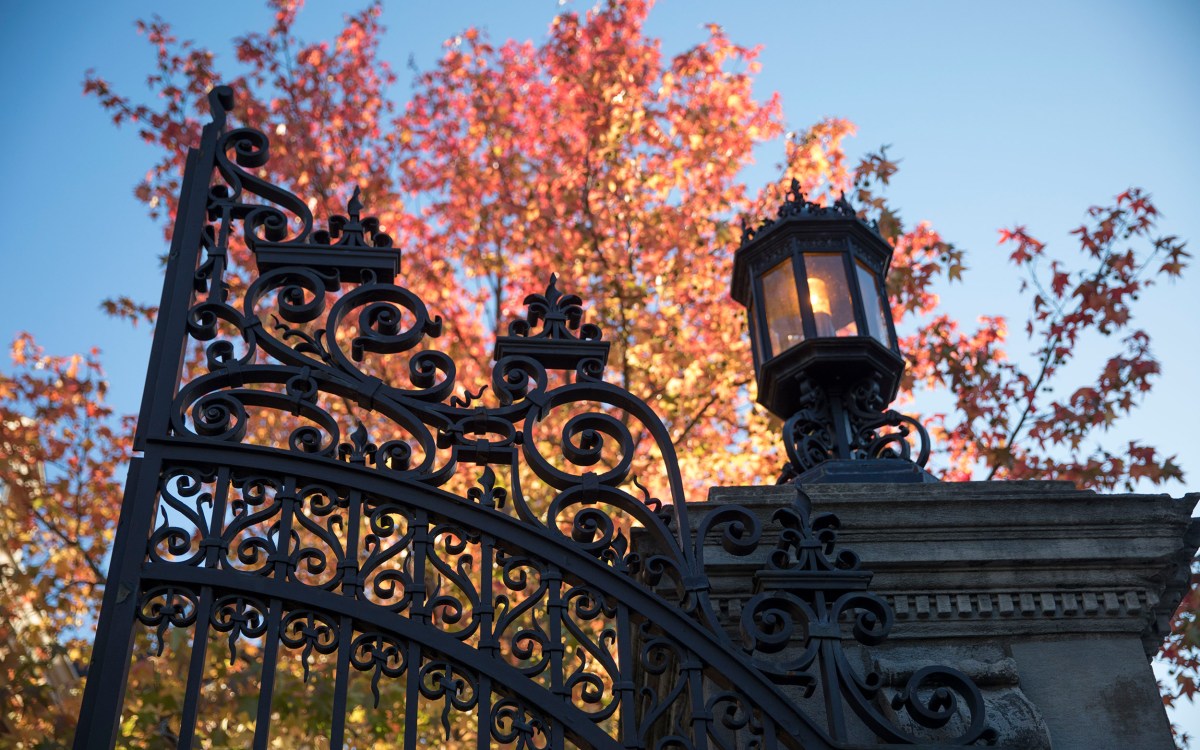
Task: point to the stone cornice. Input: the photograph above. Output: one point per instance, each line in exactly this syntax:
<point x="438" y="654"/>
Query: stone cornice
<point x="988" y="558"/>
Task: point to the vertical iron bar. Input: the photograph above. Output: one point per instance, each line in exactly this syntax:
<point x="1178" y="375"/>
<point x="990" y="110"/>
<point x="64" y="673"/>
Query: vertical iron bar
<point x="104" y="691"/>
<point x="350" y="589"/>
<point x="412" y="694"/>
<point x="195" y="676"/>
<point x="694" y="669"/>
<point x="266" y="690"/>
<point x="337" y="734"/>
<point x="419" y="614"/>
<point x="483" y="730"/>
<point x="282" y="558"/>
<point x="212" y="559"/>
<point x="488" y="646"/>
<point x="624" y="686"/>
<point x="834" y="714"/>
<point x="351" y="586"/>
<point x="554" y="614"/>
<point x="214" y="545"/>
<point x="281" y="564"/>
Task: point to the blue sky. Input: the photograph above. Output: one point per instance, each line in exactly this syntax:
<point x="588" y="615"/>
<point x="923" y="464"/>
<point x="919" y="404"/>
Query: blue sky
<point x="1004" y="113"/>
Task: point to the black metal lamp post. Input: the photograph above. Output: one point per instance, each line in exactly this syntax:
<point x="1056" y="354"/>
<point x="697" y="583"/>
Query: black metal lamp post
<point x="825" y="351"/>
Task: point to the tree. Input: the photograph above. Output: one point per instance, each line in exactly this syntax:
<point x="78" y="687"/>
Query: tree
<point x="596" y="155"/>
<point x="61" y="451"/>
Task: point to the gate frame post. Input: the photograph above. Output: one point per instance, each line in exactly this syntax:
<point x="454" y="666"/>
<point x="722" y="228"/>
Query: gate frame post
<point x="104" y="687"/>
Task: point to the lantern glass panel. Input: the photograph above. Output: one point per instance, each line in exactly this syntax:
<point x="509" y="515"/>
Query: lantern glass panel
<point x="829" y="294"/>
<point x="873" y="304"/>
<point x="782" y="305"/>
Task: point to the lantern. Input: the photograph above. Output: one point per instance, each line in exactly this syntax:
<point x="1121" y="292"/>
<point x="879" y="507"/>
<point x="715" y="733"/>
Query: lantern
<point x="825" y="352"/>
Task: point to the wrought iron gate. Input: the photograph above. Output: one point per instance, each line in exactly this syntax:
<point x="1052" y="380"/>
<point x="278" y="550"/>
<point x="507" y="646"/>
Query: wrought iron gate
<point x="362" y="547"/>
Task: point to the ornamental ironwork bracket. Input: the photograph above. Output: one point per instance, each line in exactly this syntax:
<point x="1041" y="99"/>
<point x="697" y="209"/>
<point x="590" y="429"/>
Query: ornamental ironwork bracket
<point x="850" y="434"/>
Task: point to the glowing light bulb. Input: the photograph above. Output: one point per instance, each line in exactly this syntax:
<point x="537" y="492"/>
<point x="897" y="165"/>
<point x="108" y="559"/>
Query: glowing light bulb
<point x="818" y="295"/>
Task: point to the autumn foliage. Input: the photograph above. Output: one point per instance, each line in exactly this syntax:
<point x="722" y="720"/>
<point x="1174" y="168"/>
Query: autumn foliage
<point x="597" y="155"/>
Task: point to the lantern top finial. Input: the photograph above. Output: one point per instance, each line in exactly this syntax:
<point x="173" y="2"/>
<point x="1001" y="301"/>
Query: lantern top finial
<point x="795" y="205"/>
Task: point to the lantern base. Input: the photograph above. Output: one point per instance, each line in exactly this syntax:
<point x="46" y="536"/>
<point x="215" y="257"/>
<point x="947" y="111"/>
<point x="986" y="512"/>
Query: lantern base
<point x="834" y="363"/>
<point x="842" y="431"/>
<point x="873" y="471"/>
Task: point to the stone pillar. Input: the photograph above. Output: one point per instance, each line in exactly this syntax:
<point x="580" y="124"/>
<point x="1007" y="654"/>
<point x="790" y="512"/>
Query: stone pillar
<point x="1051" y="598"/>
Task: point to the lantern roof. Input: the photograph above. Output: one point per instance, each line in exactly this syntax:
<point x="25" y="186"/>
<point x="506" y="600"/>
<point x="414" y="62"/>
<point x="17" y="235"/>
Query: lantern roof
<point x="760" y="246"/>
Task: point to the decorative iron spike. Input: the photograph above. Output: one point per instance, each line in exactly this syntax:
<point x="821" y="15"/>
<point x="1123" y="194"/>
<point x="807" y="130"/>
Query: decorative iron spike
<point x="552" y="293"/>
